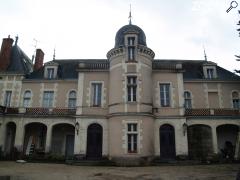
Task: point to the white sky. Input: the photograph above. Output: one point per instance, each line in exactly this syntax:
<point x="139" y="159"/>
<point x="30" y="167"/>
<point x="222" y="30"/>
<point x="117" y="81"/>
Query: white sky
<point x="79" y="29"/>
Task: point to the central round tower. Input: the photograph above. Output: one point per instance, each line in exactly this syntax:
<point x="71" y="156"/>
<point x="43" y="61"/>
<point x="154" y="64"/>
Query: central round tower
<point x="130" y="72"/>
<point x="130" y="96"/>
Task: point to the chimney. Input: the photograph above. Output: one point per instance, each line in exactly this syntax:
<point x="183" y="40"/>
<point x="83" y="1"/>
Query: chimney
<point x="5" y="53"/>
<point x="39" y="59"/>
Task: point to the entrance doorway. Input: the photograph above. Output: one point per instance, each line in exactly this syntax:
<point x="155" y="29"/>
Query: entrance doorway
<point x="167" y="142"/>
<point x="94" y="141"/>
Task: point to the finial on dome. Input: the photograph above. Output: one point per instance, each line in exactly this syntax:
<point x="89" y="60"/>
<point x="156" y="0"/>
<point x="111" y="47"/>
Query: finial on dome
<point x="205" y="55"/>
<point x="130" y="16"/>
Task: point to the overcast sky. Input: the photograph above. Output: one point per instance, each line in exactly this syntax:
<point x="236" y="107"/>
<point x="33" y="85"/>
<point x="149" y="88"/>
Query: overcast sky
<point x="85" y="29"/>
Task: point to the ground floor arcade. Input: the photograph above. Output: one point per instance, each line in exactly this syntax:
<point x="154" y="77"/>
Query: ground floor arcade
<point x="95" y="138"/>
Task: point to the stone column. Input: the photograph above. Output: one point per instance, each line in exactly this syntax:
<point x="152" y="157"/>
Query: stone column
<point x="236" y="155"/>
<point x="2" y="135"/>
<point x="20" y="129"/>
<point x="80" y="139"/>
<point x="48" y="139"/>
<point x="214" y="139"/>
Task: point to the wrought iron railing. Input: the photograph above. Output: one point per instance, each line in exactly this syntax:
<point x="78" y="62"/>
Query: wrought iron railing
<point x="37" y="111"/>
<point x="212" y="112"/>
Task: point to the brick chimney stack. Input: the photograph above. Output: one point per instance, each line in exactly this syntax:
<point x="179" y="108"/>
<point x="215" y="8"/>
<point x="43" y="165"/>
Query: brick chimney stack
<point x="39" y="59"/>
<point x="5" y="53"/>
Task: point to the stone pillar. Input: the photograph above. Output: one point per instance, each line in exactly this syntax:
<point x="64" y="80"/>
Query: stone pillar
<point x="214" y="139"/>
<point x="236" y="155"/>
<point x="48" y="139"/>
<point x="20" y="129"/>
<point x="80" y="144"/>
<point x="2" y="135"/>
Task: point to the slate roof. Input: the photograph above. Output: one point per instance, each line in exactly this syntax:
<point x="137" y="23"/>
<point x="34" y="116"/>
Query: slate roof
<point x="67" y="68"/>
<point x="192" y="69"/>
<point x="119" y="38"/>
<point x="19" y="61"/>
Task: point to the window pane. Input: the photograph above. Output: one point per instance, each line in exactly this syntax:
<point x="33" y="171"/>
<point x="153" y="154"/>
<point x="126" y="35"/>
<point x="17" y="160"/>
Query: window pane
<point x="26" y="99"/>
<point x="72" y="99"/>
<point x="48" y="99"/>
<point x="7" y="100"/>
<point x="132" y="88"/>
<point x="165" y="95"/>
<point x="97" y="94"/>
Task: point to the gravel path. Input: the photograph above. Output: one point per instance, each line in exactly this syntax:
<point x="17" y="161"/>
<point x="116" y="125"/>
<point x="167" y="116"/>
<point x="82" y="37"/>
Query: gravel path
<point x="38" y="171"/>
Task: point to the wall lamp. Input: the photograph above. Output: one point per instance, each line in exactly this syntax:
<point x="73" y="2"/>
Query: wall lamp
<point x="77" y="127"/>
<point x="185" y="126"/>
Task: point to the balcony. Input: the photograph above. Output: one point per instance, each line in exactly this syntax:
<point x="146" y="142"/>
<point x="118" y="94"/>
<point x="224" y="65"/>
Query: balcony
<point x="38" y="111"/>
<point x="212" y="112"/>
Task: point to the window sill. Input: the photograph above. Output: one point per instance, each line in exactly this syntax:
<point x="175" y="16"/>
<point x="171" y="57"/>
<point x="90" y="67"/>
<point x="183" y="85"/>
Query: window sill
<point x="131" y="61"/>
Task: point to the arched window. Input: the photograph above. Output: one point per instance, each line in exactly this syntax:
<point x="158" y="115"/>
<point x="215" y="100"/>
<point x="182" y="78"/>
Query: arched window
<point x="187" y="100"/>
<point x="26" y="98"/>
<point x="72" y="99"/>
<point x="235" y="100"/>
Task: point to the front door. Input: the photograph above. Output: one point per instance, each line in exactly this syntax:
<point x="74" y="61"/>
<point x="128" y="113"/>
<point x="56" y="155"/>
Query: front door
<point x="94" y="141"/>
<point x="69" y="145"/>
<point x="167" y="142"/>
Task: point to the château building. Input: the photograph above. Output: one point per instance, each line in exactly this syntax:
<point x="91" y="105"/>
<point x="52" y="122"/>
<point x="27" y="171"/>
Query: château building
<point x="127" y="107"/>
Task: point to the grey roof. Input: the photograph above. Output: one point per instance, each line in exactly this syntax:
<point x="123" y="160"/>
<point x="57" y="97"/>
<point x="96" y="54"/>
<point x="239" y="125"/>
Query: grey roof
<point x="192" y="69"/>
<point x="19" y="61"/>
<point x="119" y="39"/>
<point x="67" y="68"/>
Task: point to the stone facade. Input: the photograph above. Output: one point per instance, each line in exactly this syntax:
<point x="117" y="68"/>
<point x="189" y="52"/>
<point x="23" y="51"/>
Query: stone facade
<point x="128" y="106"/>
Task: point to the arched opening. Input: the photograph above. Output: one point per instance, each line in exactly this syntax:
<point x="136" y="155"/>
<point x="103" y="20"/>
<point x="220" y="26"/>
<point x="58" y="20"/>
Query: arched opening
<point x="94" y="141"/>
<point x="199" y="141"/>
<point x="63" y="140"/>
<point x="34" y="138"/>
<point x="10" y="139"/>
<point x="227" y="137"/>
<point x="167" y="142"/>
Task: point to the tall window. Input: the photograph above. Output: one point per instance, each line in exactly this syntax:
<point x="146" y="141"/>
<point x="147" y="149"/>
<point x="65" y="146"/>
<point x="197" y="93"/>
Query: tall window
<point x="187" y="100"/>
<point x="50" y="73"/>
<point x="235" y="100"/>
<point x="26" y="99"/>
<point x="132" y="88"/>
<point x="165" y="95"/>
<point x="131" y="48"/>
<point x="7" y="98"/>
<point x="72" y="99"/>
<point x="210" y="74"/>
<point x="48" y="99"/>
<point x="96" y="94"/>
<point x="132" y="137"/>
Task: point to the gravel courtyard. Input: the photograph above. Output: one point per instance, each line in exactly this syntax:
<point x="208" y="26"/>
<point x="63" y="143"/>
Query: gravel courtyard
<point x="38" y="171"/>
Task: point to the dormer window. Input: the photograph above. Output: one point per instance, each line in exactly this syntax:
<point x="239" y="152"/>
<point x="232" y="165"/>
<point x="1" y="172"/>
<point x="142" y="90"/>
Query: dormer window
<point x="210" y="70"/>
<point x="50" y="73"/>
<point x="210" y="73"/>
<point x="50" y="70"/>
<point x="131" y="48"/>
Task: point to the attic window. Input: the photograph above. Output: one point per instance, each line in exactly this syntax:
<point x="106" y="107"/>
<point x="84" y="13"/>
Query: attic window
<point x="210" y="73"/>
<point x="50" y="73"/>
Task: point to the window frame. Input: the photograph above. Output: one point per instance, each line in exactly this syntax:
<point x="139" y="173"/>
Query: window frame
<point x="131" y="48"/>
<point x="50" y="73"/>
<point x="132" y="88"/>
<point x="7" y="98"/>
<point x="97" y="94"/>
<point x="132" y="137"/>
<point x="72" y="100"/>
<point x="187" y="100"/>
<point x="27" y="99"/>
<point x="165" y="94"/>
<point x="47" y="101"/>
<point x="210" y="73"/>
<point x="235" y="100"/>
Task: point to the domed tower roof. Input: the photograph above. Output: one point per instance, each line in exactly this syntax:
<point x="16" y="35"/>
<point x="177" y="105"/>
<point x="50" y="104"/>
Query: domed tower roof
<point x="119" y="39"/>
